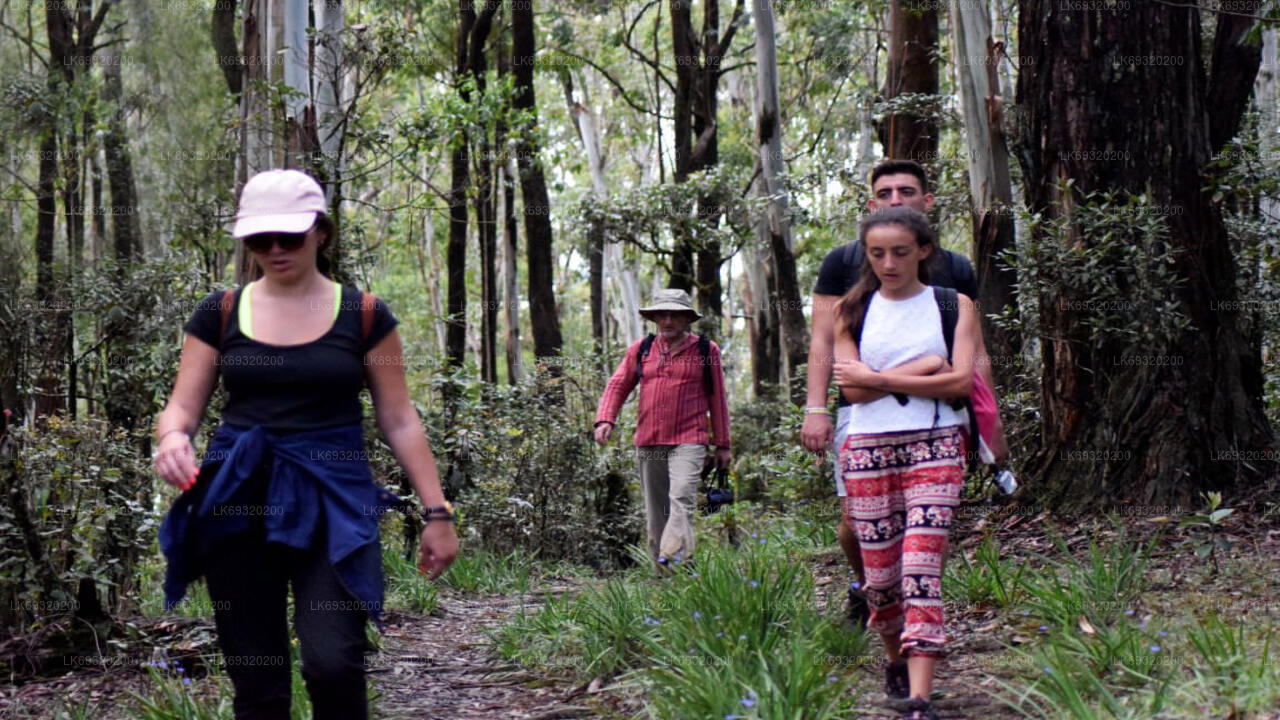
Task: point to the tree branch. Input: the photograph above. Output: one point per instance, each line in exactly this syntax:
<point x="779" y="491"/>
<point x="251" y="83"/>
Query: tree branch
<point x="1235" y="65"/>
<point x="626" y="41"/>
<point x="626" y="96"/>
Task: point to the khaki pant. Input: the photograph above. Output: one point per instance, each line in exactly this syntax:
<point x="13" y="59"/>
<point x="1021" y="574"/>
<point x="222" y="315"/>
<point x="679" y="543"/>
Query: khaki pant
<point x="669" y="477"/>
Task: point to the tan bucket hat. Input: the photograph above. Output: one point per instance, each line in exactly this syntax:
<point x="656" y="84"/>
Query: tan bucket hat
<point x="670" y="300"/>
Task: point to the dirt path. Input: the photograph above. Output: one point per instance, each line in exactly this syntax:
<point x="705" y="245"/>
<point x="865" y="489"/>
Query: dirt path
<point x="441" y="666"/>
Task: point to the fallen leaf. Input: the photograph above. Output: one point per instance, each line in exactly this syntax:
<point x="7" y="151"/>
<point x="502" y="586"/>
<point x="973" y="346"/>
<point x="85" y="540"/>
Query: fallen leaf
<point x="1085" y="627"/>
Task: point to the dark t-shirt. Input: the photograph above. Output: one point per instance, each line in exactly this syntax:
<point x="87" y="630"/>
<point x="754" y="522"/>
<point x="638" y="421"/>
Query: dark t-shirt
<point x="951" y="270"/>
<point x="292" y="387"/>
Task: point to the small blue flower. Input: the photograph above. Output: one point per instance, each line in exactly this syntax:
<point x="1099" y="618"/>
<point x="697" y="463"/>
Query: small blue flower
<point x="1163" y="633"/>
<point x="1026" y="613"/>
<point x="762" y="541"/>
<point x="697" y="615"/>
<point x="755" y="535"/>
<point x="1129" y="611"/>
<point x="1142" y="625"/>
<point x="855" y="585"/>
<point x="1047" y="670"/>
<point x="832" y="678"/>
<point x="1155" y="648"/>
<point x="742" y="637"/>
<point x="1044" y="628"/>
<point x="748" y="703"/>
<point x="186" y="681"/>
<point x="753" y="583"/>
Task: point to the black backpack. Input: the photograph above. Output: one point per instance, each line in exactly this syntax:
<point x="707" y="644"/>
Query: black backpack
<point x="704" y="352"/>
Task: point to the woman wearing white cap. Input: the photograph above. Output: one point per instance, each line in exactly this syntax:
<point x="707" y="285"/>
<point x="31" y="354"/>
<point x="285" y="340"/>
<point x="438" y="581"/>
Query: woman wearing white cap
<point x="285" y="495"/>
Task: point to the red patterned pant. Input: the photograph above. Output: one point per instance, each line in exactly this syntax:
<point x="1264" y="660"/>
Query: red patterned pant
<point x="901" y="492"/>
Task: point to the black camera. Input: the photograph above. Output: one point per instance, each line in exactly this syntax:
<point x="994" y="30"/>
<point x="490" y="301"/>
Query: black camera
<point x="718" y="492"/>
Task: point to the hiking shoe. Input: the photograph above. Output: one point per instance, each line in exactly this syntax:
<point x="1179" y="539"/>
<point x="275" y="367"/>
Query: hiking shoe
<point x="919" y="709"/>
<point x="857" y="613"/>
<point x="897" y="684"/>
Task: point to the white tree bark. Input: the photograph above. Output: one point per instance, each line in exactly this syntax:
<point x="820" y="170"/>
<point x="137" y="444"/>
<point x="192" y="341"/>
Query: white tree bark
<point x="1269" y="130"/>
<point x="988" y="158"/>
<point x="297" y="66"/>
<point x="619" y="277"/>
<point x="329" y="91"/>
<point x="510" y="277"/>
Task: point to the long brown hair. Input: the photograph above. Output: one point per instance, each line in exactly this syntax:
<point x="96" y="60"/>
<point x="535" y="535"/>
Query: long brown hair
<point x="852" y="306"/>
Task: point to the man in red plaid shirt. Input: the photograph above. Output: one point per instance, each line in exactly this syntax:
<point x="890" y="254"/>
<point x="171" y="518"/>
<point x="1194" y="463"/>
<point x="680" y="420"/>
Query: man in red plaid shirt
<point x="671" y="432"/>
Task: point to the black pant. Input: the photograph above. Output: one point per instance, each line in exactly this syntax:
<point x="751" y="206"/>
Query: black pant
<point x="248" y="583"/>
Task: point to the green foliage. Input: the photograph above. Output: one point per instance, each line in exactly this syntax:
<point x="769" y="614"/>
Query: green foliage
<point x="79" y="492"/>
<point x="1099" y="589"/>
<point x="734" y="635"/>
<point x="406" y="586"/>
<point x="483" y="571"/>
<point x="984" y="580"/>
<point x="170" y="697"/>
<point x="1109" y="264"/>
<point x="1210" y="524"/>
<point x="773" y="465"/>
<point x="528" y="475"/>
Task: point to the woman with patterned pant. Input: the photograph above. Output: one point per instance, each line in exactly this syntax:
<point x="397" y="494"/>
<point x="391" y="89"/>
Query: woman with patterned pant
<point x="903" y="460"/>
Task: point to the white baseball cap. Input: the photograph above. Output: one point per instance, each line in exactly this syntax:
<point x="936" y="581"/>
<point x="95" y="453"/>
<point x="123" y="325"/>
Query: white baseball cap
<point x="283" y="201"/>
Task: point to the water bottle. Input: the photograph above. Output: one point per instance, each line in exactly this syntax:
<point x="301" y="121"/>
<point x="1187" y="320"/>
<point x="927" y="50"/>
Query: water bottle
<point x="1007" y="482"/>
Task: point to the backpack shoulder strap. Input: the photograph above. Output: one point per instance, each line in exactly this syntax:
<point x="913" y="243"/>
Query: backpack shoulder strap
<point x="852" y="262"/>
<point x="645" y="344"/>
<point x="704" y="352"/>
<point x="866" y="308"/>
<point x="368" y="302"/>
<point x="948" y="306"/>
<point x="225" y="303"/>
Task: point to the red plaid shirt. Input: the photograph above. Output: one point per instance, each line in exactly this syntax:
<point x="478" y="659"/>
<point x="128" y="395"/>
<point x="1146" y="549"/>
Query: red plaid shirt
<point x="673" y="398"/>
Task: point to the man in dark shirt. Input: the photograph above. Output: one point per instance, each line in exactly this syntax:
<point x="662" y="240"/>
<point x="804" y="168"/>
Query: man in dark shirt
<point x="893" y="183"/>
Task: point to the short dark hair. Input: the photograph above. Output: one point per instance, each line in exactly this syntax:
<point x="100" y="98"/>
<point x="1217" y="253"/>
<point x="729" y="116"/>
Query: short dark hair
<point x="899" y="167"/>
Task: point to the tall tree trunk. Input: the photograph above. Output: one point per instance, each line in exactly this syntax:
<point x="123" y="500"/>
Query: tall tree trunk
<point x="222" y="33"/>
<point x="1269" y="117"/>
<point x="990" y="188"/>
<point x="684" y="48"/>
<point x="912" y="133"/>
<point x="71" y="39"/>
<point x="256" y="115"/>
<point x="585" y="123"/>
<point x="330" y="71"/>
<point x="510" y="258"/>
<point x="1237" y="54"/>
<point x="126" y="233"/>
<point x="533" y="189"/>
<point x="698" y="59"/>
<point x="456" y="334"/>
<point x="486" y="225"/>
<point x="49" y="391"/>
<point x="766" y="349"/>
<point x="1158" y="429"/>
<point x="777" y="220"/>
<point x="510" y="272"/>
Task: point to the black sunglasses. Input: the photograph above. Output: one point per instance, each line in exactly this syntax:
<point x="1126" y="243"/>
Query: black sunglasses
<point x="262" y="242"/>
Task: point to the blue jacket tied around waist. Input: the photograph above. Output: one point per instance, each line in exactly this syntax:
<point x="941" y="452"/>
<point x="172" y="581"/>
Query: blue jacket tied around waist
<point x="318" y="484"/>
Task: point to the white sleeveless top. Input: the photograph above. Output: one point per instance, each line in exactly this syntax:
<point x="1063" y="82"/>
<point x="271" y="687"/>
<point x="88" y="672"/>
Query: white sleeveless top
<point x="897" y="332"/>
